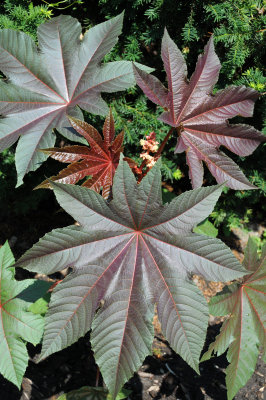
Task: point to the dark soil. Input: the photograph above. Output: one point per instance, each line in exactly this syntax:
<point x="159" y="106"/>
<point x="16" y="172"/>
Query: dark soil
<point x="163" y="375"/>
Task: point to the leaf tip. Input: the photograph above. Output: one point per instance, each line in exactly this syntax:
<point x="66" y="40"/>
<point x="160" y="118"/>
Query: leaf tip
<point x="19" y="181"/>
<point x="43" y="185"/>
<point x="165" y="33"/>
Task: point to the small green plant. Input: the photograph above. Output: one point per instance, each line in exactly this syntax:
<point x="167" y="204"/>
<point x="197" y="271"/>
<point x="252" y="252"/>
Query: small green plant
<point x="243" y="332"/>
<point x="18" y="323"/>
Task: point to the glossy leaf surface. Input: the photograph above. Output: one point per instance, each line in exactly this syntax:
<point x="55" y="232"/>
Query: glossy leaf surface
<point x="100" y="160"/>
<point x="46" y="84"/>
<point x="17" y="324"/>
<point x="128" y="255"/>
<point x="243" y="332"/>
<point x="201" y="118"/>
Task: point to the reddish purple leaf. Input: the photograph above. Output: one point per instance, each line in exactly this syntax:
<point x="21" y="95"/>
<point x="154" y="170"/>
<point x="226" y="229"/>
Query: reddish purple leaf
<point x="109" y="129"/>
<point x="128" y="255"/>
<point x="99" y="161"/>
<point x="176" y="71"/>
<point x="200" y="117"/>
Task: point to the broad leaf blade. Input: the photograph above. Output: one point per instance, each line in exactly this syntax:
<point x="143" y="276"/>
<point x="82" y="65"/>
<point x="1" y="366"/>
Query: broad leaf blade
<point x="222" y="167"/>
<point x="67" y="154"/>
<point x="227" y="103"/>
<point x="196" y="171"/>
<point x="56" y="38"/>
<point x="203" y="80"/>
<point x="244" y="330"/>
<point x="17" y="325"/>
<point x="47" y="84"/>
<point x="28" y="144"/>
<point x="201" y="118"/>
<point x="251" y="255"/>
<point x="97" y="42"/>
<point x="23" y="65"/>
<point x="176" y="71"/>
<point x="128" y="255"/>
<point x="240" y="139"/>
<point x="68" y="131"/>
<point x="243" y="352"/>
<point x="13" y="367"/>
<point x="121" y="351"/>
<point x="188" y="209"/>
<point x="90" y="134"/>
<point x="72" y="174"/>
<point x="176" y="301"/>
<point x="152" y="87"/>
<point x="109" y="128"/>
<point x="98" y="162"/>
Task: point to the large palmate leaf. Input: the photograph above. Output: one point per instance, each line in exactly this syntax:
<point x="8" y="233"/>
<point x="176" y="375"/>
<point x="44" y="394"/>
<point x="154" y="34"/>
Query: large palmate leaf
<point x="200" y="117"/>
<point x="100" y="161"/>
<point x="47" y="84"/>
<point x="17" y="324"/>
<point x="128" y="255"/>
<point x="244" y="330"/>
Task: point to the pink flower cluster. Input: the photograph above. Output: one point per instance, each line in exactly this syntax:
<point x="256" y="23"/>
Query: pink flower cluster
<point x="150" y="145"/>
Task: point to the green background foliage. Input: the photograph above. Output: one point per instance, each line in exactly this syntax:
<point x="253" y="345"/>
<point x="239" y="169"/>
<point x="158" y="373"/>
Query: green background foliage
<point x="22" y="15"/>
<point x="239" y="35"/>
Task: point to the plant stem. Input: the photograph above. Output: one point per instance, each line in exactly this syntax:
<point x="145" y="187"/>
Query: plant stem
<point x="159" y="151"/>
<point x="97" y="377"/>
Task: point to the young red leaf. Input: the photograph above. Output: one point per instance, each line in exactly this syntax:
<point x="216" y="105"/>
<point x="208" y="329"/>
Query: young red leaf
<point x="200" y="117"/>
<point x="46" y="85"/>
<point x="109" y="129"/>
<point x="100" y="161"/>
<point x="128" y="255"/>
<point x="244" y="330"/>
